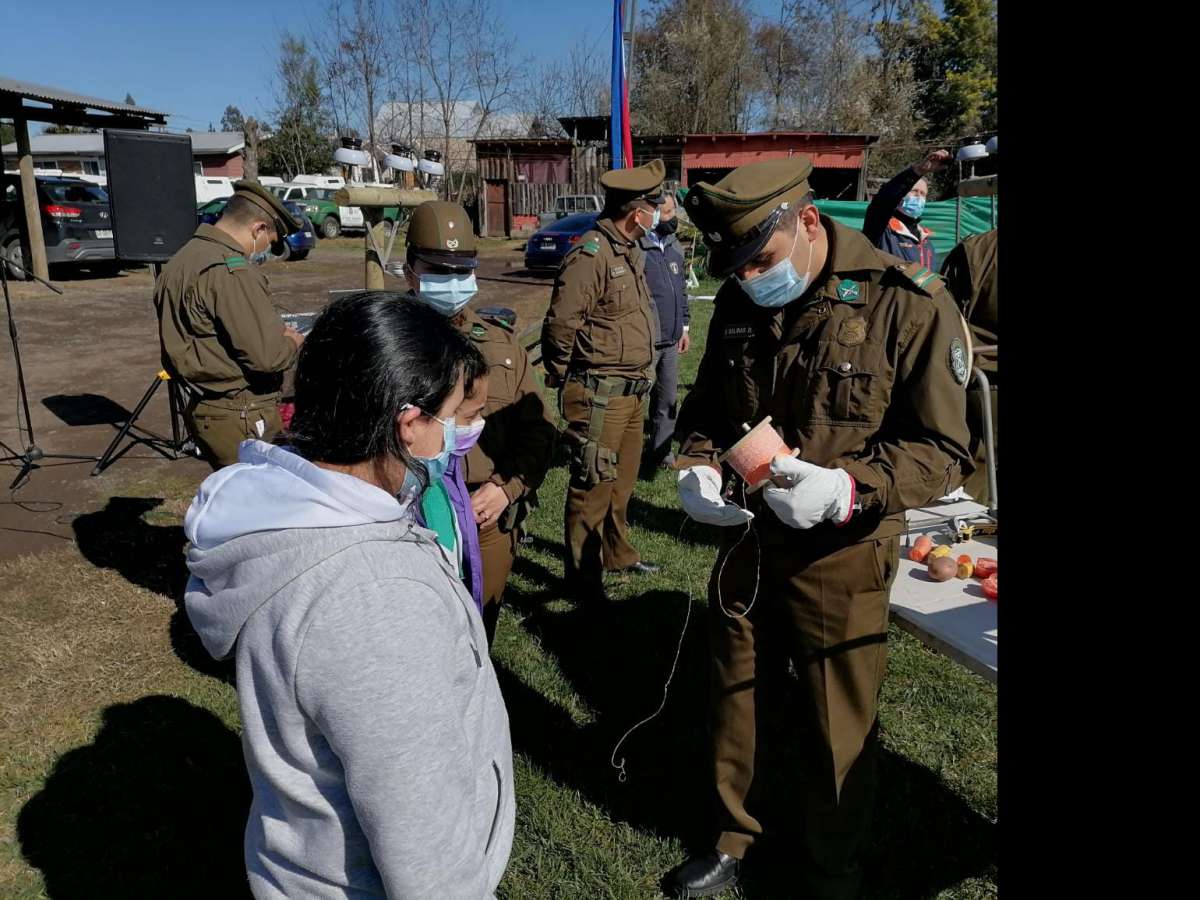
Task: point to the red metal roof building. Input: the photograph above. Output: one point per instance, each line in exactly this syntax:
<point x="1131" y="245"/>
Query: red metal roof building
<point x="521" y="177"/>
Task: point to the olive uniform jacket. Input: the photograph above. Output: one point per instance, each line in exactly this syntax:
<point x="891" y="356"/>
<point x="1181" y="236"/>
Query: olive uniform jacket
<point x="602" y="319"/>
<point x="972" y="275"/>
<point x="518" y="438"/>
<point x="866" y="373"/>
<point x="219" y="332"/>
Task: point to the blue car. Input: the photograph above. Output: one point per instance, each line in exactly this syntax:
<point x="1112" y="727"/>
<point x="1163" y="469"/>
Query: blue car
<point x="298" y="244"/>
<point x="546" y="249"/>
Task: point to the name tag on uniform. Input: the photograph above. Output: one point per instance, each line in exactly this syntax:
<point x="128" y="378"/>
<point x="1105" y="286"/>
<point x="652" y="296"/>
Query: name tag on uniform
<point x="616" y="271"/>
<point x="737" y="332"/>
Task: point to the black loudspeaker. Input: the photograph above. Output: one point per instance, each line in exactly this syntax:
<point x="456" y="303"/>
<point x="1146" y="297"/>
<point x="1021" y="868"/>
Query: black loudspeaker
<point x="152" y="191"/>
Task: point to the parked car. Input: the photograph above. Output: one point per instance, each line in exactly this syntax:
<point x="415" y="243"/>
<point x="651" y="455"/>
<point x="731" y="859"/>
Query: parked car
<point x="547" y="247"/>
<point x="298" y="244"/>
<point x="76" y="223"/>
<point x="329" y="218"/>
<point x="569" y="204"/>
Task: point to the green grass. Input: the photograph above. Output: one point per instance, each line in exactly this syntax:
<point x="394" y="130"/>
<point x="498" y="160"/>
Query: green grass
<point x="121" y="772"/>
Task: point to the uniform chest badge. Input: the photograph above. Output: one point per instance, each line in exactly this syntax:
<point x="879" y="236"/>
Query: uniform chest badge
<point x="674" y="268"/>
<point x="847" y="290"/>
<point x="852" y="332"/>
<point x="616" y="271"/>
<point x="958" y="361"/>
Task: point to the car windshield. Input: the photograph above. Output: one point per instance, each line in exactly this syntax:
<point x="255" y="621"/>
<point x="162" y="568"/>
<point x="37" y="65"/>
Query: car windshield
<point x="81" y="192"/>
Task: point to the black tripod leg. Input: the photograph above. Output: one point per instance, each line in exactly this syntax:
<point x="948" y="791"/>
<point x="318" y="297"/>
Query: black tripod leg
<point x="106" y="458"/>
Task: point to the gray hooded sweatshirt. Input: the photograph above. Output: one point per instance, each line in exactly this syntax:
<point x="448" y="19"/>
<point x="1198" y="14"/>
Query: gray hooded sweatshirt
<point x="372" y="724"/>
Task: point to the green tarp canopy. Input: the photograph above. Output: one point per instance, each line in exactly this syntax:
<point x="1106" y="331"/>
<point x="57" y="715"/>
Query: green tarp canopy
<point x="938" y="218"/>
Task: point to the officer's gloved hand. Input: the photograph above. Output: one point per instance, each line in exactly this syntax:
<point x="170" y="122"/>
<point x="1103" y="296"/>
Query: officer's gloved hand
<point x="700" y="495"/>
<point x="814" y="493"/>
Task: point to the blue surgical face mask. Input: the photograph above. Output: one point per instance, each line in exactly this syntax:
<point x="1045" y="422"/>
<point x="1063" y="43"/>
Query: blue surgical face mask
<point x="912" y="206"/>
<point x="447" y="293"/>
<point x="780" y="284"/>
<point x="435" y="466"/>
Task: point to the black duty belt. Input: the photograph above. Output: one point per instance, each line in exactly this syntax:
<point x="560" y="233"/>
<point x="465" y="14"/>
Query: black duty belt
<point x="615" y="385"/>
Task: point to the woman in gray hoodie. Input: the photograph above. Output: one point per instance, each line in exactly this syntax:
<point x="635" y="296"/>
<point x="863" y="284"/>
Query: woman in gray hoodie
<point x="373" y="727"/>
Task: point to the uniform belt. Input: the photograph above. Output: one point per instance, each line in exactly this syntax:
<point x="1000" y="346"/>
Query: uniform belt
<point x="618" y="385"/>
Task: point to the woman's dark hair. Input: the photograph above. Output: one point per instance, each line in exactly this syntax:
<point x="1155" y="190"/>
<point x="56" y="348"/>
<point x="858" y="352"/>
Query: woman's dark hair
<point x="369" y="354"/>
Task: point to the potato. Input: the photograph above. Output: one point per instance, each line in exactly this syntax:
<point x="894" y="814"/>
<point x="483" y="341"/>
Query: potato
<point x="985" y="567"/>
<point x="942" y="568"/>
<point x="940" y="550"/>
<point x="920" y="548"/>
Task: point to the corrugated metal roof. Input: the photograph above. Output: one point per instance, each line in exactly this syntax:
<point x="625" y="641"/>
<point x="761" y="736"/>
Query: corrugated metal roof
<point x="203" y="142"/>
<point x="56" y="95"/>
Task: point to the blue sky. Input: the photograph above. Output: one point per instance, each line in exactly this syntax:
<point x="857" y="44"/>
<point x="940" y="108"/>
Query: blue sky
<point x="192" y="59"/>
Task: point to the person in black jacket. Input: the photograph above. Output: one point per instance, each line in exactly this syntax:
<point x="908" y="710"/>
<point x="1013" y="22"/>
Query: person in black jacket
<point x="667" y="280"/>
<point x="893" y="220"/>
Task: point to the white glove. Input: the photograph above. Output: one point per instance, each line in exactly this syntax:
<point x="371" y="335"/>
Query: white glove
<point x="700" y="496"/>
<point x="816" y="493"/>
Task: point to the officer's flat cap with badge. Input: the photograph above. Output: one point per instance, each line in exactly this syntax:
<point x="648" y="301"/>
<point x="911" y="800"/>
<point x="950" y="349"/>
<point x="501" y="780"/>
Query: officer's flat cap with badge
<point x="738" y="214"/>
<point x="285" y="222"/>
<point x="440" y="234"/>
<point x="637" y="183"/>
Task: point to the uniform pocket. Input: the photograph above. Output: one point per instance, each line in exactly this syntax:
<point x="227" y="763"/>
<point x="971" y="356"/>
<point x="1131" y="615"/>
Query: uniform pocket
<point x="848" y="390"/>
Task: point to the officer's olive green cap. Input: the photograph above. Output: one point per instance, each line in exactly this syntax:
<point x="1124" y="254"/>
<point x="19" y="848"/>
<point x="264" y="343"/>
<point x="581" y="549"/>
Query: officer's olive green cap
<point x="738" y="214"/>
<point x="440" y="234"/>
<point x="637" y="183"/>
<point x="285" y="222"/>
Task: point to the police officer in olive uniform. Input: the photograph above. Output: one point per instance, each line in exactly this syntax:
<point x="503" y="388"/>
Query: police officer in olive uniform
<point x="221" y="337"/>
<point x="859" y="359"/>
<point x="598" y="349"/>
<point x="505" y="468"/>
<point x="972" y="275"/>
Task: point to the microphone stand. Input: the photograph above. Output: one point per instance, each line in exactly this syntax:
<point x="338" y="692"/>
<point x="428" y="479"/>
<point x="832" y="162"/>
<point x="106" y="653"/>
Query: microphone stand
<point x="33" y="455"/>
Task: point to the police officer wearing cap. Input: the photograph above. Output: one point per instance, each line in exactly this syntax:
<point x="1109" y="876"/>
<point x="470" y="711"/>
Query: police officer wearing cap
<point x="507" y="464"/>
<point x="221" y="337"/>
<point x="598" y="350"/>
<point x="859" y="359"/>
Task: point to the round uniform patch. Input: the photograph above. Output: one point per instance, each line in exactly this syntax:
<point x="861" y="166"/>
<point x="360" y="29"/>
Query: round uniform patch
<point x="852" y="332"/>
<point x="958" y="361"/>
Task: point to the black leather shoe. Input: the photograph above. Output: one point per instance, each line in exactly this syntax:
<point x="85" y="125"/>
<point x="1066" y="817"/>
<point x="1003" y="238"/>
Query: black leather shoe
<point x="640" y="568"/>
<point x="705" y="875"/>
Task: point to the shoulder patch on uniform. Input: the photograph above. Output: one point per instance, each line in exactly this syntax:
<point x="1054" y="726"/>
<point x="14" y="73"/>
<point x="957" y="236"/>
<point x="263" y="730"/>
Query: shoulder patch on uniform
<point x="233" y="263"/>
<point x="591" y="248"/>
<point x="478" y="331"/>
<point x="958" y="361"/>
<point x="847" y="290"/>
<point x="920" y="277"/>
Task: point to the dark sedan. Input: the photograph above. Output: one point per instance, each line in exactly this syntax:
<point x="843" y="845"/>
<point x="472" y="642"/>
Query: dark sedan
<point x="298" y="244"/>
<point x="546" y="249"/>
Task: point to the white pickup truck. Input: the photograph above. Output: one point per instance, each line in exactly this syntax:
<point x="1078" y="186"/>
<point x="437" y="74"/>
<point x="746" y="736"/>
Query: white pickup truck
<point x="329" y="222"/>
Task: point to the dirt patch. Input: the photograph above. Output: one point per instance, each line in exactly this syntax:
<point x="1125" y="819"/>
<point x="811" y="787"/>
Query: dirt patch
<point x="90" y="354"/>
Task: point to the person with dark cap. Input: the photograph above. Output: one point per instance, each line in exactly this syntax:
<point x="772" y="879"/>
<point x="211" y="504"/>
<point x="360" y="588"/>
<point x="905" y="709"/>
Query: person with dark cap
<point x="220" y="336"/>
<point x="860" y="361"/>
<point x="666" y="276"/>
<point x="598" y="351"/>
<point x="893" y="219"/>
<point x="510" y="456"/>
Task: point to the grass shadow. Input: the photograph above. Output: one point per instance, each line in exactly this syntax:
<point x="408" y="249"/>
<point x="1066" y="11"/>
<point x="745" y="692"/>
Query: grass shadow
<point x="666" y="759"/>
<point x="150" y="556"/>
<point x="155" y="806"/>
